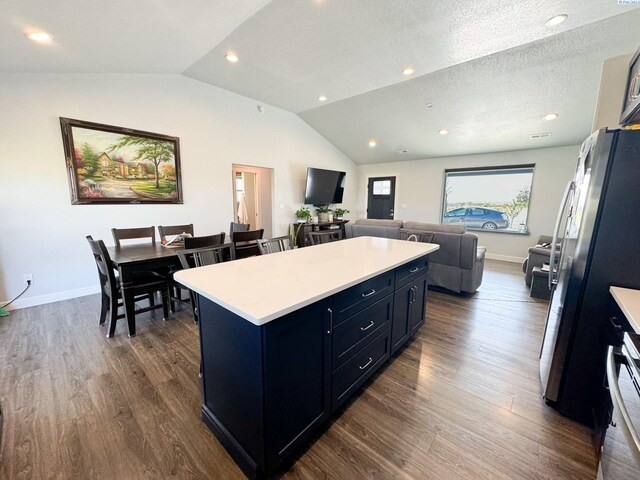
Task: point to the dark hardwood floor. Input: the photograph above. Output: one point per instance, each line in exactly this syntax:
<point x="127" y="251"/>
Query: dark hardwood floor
<point x="462" y="401"/>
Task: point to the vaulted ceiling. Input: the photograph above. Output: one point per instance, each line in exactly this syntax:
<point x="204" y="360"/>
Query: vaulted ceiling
<point x="490" y="70"/>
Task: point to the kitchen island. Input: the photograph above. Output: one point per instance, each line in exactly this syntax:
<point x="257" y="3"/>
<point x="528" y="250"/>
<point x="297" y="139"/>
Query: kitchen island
<point x="287" y="338"/>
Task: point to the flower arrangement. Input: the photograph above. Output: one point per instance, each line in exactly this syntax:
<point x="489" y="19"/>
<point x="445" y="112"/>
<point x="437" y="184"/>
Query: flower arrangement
<point x="340" y="212"/>
<point x="323" y="208"/>
<point x="303" y="214"/>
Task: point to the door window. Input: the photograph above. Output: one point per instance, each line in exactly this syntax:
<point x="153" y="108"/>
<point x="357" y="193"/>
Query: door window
<point x="382" y="187"/>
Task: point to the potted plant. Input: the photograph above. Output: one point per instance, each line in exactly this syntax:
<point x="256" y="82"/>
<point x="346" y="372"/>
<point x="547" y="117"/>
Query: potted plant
<point x="294" y="231"/>
<point x="303" y="215"/>
<point x="323" y="213"/>
<point x="339" y="213"/>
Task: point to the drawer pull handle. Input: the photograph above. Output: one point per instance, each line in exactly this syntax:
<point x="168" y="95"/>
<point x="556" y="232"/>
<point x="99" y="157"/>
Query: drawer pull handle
<point x="369" y="293"/>
<point x="414" y="269"/>
<point x="368" y="326"/>
<point x="362" y="367"/>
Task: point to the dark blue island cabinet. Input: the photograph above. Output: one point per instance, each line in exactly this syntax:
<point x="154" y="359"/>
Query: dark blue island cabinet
<point x="269" y="388"/>
<point x="410" y="298"/>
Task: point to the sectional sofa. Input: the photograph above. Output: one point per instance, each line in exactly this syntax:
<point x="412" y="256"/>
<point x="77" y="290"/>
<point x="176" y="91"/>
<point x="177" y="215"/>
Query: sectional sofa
<point x="456" y="266"/>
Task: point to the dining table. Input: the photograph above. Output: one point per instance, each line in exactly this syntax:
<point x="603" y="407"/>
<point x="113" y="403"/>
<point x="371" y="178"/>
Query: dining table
<point x="129" y="259"/>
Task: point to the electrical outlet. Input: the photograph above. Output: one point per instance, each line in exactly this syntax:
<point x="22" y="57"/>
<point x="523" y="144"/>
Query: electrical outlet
<point x="27" y="279"/>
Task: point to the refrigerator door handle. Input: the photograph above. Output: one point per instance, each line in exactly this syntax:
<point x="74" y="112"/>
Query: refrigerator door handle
<point x="565" y="197"/>
<point x="616" y="397"/>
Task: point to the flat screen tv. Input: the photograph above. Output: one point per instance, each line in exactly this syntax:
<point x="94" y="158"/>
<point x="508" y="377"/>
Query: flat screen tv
<point x="324" y="186"/>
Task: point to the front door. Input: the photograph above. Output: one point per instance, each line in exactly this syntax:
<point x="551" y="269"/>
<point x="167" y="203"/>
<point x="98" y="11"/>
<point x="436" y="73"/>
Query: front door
<point x="381" y="197"/>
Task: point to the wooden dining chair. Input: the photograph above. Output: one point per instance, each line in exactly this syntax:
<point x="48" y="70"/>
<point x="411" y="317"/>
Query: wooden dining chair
<point x="246" y="244"/>
<point x="133" y="233"/>
<point x="273" y="245"/>
<point x="199" y="257"/>
<point x="175" y="289"/>
<point x="204" y="241"/>
<point x="169" y="230"/>
<point x="238" y="227"/>
<point x="146" y="284"/>
<point x="325" y="236"/>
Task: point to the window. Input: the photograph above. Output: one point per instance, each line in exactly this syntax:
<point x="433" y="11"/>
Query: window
<point x="489" y="199"/>
<point x="382" y="187"/>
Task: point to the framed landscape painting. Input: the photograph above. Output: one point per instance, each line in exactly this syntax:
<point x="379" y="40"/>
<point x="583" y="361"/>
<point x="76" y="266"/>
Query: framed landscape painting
<point x="108" y="164"/>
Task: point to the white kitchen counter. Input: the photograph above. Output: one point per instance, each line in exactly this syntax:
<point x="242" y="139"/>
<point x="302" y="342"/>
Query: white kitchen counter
<point x="629" y="302"/>
<point x="263" y="288"/>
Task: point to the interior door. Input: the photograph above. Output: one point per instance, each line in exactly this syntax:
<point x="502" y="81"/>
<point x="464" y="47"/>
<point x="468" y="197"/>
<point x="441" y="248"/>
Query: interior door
<point x="252" y="197"/>
<point x="381" y="197"/>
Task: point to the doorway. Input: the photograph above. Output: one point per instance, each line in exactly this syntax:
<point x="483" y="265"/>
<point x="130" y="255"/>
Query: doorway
<point x="381" y="194"/>
<point x="252" y="197"/>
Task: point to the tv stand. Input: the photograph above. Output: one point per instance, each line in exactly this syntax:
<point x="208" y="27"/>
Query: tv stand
<point x="303" y="229"/>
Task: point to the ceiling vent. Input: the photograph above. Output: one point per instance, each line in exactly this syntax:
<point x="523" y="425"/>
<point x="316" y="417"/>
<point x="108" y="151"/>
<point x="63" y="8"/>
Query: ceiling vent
<point x="538" y="136"/>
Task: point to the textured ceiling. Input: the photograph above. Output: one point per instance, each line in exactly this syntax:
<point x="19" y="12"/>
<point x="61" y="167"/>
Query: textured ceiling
<point x="490" y="67"/>
<point x="292" y="51"/>
<point x="490" y="104"/>
<point x="119" y="36"/>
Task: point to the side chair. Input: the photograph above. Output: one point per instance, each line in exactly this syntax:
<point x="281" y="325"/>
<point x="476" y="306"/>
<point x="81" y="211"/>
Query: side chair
<point x="238" y="227"/>
<point x="169" y="230"/>
<point x="325" y="236"/>
<point x="146" y="284"/>
<point x="133" y="233"/>
<point x="273" y="245"/>
<point x="246" y="244"/>
<point x="204" y="241"/>
<point x="199" y="257"/>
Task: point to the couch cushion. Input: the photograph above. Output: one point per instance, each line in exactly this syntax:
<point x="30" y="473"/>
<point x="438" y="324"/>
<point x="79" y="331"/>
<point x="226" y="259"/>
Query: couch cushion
<point x="373" y="231"/>
<point x="433" y="227"/>
<point x="379" y="222"/>
<point x="426" y="237"/>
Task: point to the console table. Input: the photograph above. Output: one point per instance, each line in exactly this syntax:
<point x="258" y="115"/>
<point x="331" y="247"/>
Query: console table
<point x="283" y="348"/>
<point x="303" y="229"/>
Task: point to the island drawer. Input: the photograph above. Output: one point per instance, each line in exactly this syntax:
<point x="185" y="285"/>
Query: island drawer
<point x="407" y="273"/>
<point x="361" y="366"/>
<point x="352" y="334"/>
<point x="352" y="300"/>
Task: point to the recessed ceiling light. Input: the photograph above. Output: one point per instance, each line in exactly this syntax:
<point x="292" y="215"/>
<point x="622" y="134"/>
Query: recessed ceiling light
<point x="408" y="70"/>
<point x="322" y="98"/>
<point x="551" y="116"/>
<point x="231" y="57"/>
<point x="372" y="143"/>
<point x="429" y="105"/>
<point x="40" y="37"/>
<point x="443" y="131"/>
<point x="557" y="20"/>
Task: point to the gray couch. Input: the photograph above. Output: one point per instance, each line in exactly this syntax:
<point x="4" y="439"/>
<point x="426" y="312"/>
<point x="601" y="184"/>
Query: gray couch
<point x="456" y="266"/>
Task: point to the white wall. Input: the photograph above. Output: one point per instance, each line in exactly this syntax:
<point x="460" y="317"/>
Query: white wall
<point x="419" y="186"/>
<point x="44" y="234"/>
<point x="613" y="82"/>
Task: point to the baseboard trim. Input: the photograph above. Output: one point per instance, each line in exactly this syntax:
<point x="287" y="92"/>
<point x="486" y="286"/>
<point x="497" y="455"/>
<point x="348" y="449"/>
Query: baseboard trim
<point x="81" y="292"/>
<point x="504" y="258"/>
<point x="52" y="297"/>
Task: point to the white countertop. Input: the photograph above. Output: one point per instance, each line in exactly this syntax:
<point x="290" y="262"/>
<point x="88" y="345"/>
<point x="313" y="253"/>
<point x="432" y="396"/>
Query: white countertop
<point x="263" y="288"/>
<point x="629" y="302"/>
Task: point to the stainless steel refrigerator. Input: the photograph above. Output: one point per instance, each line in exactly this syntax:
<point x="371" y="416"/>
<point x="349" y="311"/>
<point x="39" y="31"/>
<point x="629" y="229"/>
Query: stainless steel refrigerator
<point x="598" y="228"/>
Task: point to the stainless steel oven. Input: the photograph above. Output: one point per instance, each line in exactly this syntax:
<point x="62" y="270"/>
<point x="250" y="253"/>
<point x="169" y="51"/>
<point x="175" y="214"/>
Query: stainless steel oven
<point x="620" y="455"/>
